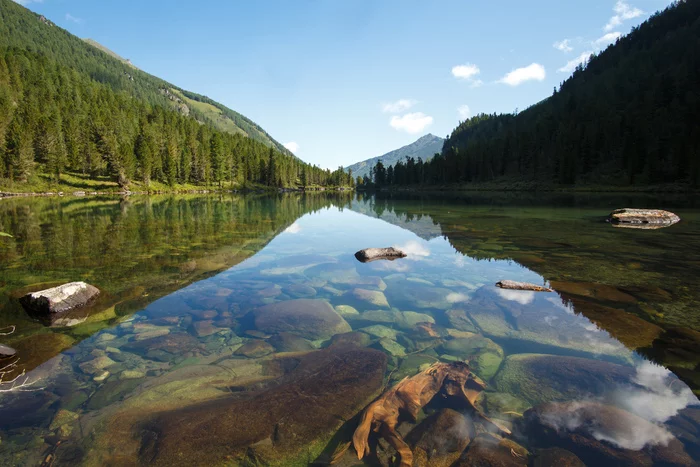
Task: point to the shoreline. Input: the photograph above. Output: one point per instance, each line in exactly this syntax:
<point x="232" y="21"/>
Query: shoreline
<point x="82" y="193"/>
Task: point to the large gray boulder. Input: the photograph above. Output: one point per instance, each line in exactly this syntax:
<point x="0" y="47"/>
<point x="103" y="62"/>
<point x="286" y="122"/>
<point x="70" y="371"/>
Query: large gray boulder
<point x="642" y="218"/>
<point x="59" y="299"/>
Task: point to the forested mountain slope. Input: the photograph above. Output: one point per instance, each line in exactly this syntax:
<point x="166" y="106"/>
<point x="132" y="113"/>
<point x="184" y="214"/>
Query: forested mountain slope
<point x="424" y="148"/>
<point x="629" y="117"/>
<point x="65" y="106"/>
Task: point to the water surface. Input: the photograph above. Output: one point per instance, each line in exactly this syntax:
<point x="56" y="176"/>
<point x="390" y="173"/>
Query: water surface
<point x="241" y="330"/>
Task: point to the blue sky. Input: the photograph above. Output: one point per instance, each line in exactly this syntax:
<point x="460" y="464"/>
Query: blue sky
<point x="343" y="81"/>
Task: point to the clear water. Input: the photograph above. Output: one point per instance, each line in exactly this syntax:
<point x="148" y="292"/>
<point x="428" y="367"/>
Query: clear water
<point x="200" y="350"/>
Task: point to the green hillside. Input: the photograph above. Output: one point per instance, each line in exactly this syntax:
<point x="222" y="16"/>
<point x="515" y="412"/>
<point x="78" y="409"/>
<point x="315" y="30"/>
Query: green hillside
<point x="109" y="52"/>
<point x="627" y="118"/>
<point x="72" y="114"/>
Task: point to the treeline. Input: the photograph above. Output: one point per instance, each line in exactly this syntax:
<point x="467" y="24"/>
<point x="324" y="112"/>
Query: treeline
<point x="628" y="117"/>
<point x="55" y="119"/>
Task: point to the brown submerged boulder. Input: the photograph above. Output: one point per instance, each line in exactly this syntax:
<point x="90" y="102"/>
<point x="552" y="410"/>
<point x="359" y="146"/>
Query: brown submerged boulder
<point x="441" y="438"/>
<point x="279" y="424"/>
<point x="601" y="434"/>
<point x="309" y="318"/>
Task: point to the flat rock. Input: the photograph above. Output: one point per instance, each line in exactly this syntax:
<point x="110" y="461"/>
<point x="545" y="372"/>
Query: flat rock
<point x="556" y="457"/>
<point x="373" y="254"/>
<point x="300" y="291"/>
<point x="312" y="319"/>
<point x="254" y="349"/>
<point x="642" y="218"/>
<point x="204" y="328"/>
<point x="483" y="354"/>
<point x="59" y="299"/>
<point x="308" y="406"/>
<point x="359" y="339"/>
<point x="543" y="378"/>
<point x="371" y="297"/>
<point x="601" y="434"/>
<point x="491" y="451"/>
<point x="97" y="365"/>
<point x="288" y="342"/>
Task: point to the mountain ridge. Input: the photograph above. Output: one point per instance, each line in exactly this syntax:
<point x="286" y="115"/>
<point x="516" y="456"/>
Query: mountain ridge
<point x="424" y="147"/>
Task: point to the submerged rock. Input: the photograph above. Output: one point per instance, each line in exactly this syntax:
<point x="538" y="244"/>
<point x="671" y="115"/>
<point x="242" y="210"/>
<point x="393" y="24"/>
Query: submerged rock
<point x="488" y="450"/>
<point x="371" y="297"/>
<point x="254" y="349"/>
<point x="557" y="457"/>
<point x="312" y="319"/>
<point x="642" y="218"/>
<point x="441" y="438"/>
<point x="543" y="378"/>
<point x="483" y="354"/>
<point x="603" y="435"/>
<point x="372" y="254"/>
<point x="283" y="425"/>
<point x="59" y="299"/>
<point x="288" y="342"/>
<point x="514" y="285"/>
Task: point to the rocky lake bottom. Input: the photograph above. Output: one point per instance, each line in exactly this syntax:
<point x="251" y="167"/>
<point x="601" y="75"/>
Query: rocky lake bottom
<point x="243" y="331"/>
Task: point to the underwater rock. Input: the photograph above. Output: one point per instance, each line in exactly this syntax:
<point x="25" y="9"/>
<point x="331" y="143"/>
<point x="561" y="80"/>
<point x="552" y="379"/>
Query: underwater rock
<point x="441" y="438"/>
<point x="175" y="343"/>
<point x="483" y="354"/>
<point x="514" y="285"/>
<point x="132" y="374"/>
<point x="96" y="365"/>
<point x="6" y="351"/>
<point x="504" y="404"/>
<point x="371" y="297"/>
<point x="346" y="311"/>
<point x="62" y="417"/>
<point x="204" y="328"/>
<point x="459" y="320"/>
<point x="543" y="378"/>
<point x="556" y="457"/>
<point x="391" y="347"/>
<point x="421" y="296"/>
<point x="372" y="254"/>
<point x="600" y="434"/>
<point x="299" y="291"/>
<point x="299" y="415"/>
<point x="359" y="339"/>
<point x="39" y="348"/>
<point x="380" y="331"/>
<point x="642" y="218"/>
<point x="488" y="450"/>
<point x="312" y="319"/>
<point x="602" y="292"/>
<point x="288" y="342"/>
<point x="59" y="299"/>
<point x="254" y="349"/>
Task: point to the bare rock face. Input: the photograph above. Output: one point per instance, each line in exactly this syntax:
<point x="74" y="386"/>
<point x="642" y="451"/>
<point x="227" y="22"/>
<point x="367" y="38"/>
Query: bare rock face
<point x="59" y="299"/>
<point x="642" y="218"/>
<point x="373" y="254"/>
<point x="513" y="285"/>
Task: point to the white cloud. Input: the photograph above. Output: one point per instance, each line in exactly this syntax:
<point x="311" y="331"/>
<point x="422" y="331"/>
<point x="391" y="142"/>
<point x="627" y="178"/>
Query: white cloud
<point x="623" y="12"/>
<point x="398" y="106"/>
<point x="294" y="228"/>
<point x="464" y="112"/>
<point x="73" y="19"/>
<point x="466" y="71"/>
<point x="523" y="297"/>
<point x="564" y="46"/>
<point x="476" y="83"/>
<point x="609" y="38"/>
<point x="572" y="64"/>
<point x="518" y="76"/>
<point x="292" y="146"/>
<point x="411" y="123"/>
<point x="414" y="248"/>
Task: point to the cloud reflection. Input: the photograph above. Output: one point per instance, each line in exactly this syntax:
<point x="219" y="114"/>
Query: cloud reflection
<point x="524" y="297"/>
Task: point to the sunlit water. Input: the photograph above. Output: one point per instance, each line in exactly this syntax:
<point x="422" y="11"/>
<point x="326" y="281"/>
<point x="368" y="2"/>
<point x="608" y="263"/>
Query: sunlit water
<point x="137" y="375"/>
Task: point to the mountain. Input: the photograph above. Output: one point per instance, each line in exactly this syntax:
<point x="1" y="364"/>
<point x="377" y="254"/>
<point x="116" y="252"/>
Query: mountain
<point x="109" y="52"/>
<point x="71" y="111"/>
<point x="425" y="148"/>
<point x="628" y="117"/>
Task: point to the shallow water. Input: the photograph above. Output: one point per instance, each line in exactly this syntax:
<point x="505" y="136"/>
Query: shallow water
<point x="217" y="336"/>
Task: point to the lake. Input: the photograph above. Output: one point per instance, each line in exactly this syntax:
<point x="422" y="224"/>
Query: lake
<point x="241" y="330"/>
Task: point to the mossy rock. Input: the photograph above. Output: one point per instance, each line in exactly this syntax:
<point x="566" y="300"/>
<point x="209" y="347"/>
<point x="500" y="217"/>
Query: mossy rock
<point x="503" y="403"/>
<point x="538" y="378"/>
<point x="483" y="354"/>
<point x="391" y="347"/>
<point x="380" y="331"/>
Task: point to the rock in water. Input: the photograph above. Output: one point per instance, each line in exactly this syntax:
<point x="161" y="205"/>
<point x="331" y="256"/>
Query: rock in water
<point x="58" y="299"/>
<point x="373" y="254"/>
<point x="513" y="285"/>
<point x="309" y="318"/>
<point x="6" y="351"/>
<point x="642" y="218"/>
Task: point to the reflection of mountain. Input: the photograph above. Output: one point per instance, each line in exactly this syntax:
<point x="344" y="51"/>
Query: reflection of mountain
<point x="632" y="284"/>
<point x="135" y="250"/>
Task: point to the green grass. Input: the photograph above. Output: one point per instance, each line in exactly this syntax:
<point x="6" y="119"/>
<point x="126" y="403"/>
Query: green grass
<point x="213" y="113"/>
